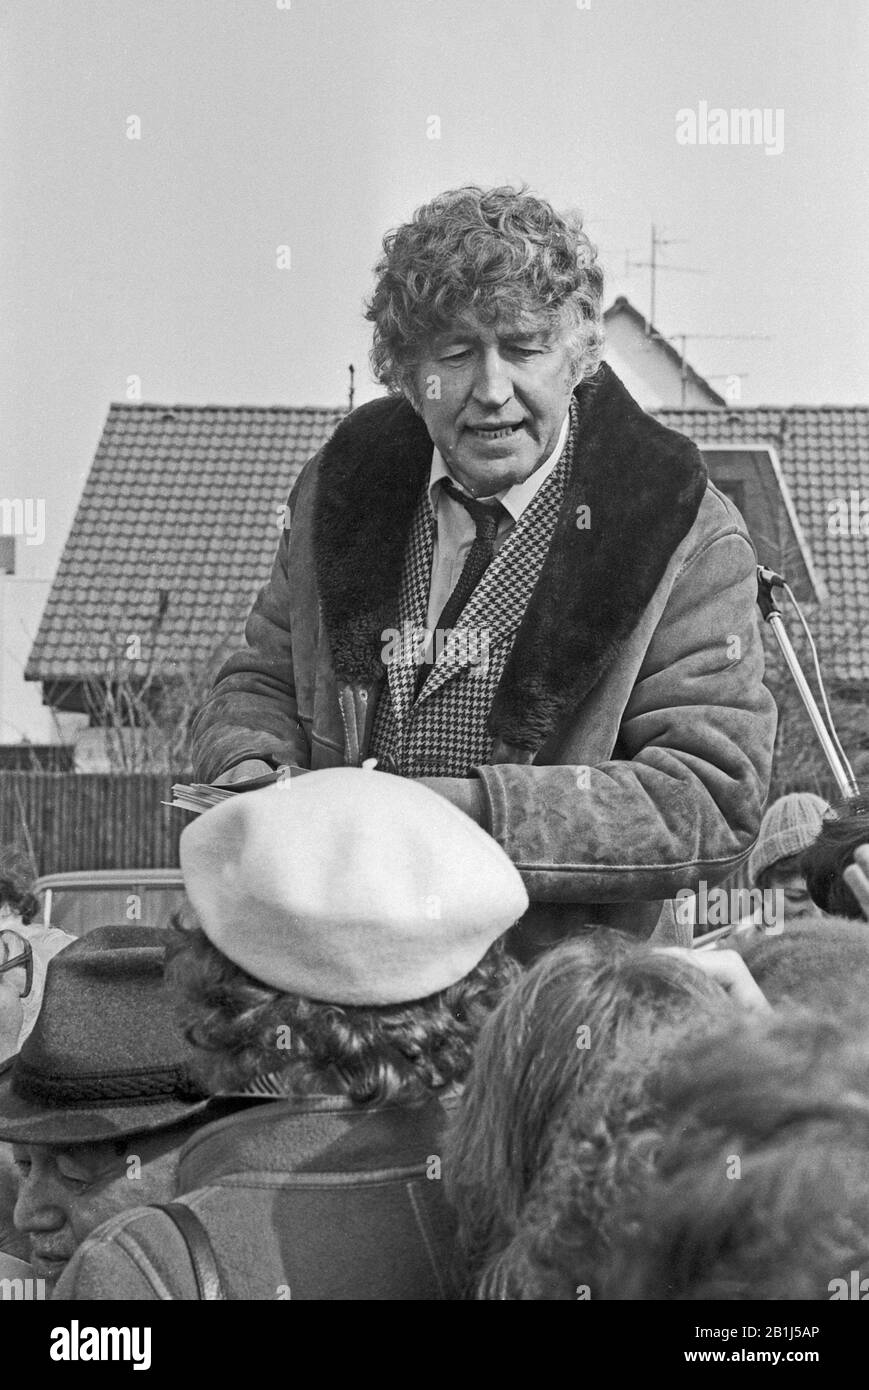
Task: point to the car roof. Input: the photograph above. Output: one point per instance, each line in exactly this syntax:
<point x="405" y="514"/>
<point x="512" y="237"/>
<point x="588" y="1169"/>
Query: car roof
<point x="111" y="878"/>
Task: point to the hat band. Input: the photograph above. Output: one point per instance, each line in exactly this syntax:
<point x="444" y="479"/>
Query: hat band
<point x="139" y="1088"/>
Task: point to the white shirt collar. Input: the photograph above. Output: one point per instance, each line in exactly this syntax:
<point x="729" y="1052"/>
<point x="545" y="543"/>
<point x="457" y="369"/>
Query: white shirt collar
<point x="516" y="498"/>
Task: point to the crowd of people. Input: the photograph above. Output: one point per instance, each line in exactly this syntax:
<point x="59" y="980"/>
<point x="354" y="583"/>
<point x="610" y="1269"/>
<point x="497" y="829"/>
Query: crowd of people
<point x="331" y="1080"/>
<point x="441" y="1018"/>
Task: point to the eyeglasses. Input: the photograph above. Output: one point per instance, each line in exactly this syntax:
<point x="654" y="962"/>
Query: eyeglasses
<point x="16" y="953"/>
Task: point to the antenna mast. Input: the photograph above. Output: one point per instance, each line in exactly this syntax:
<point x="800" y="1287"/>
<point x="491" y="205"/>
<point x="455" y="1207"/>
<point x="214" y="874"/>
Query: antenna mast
<point x="653" y="266"/>
<point x="684" y="338"/>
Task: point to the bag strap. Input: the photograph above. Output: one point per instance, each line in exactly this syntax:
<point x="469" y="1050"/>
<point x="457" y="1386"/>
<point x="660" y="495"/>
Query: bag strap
<point x="208" y="1282"/>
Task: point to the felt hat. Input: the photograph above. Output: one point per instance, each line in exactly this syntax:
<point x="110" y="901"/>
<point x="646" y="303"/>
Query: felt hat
<point x="349" y="886"/>
<point x="105" y="1057"/>
<point x="788" y="827"/>
<point x="821" y="961"/>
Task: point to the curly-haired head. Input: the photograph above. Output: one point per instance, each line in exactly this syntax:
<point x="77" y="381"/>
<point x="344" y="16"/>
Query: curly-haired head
<point x="550" y="1041"/>
<point x="244" y="1029"/>
<point x="822" y="864"/>
<point x="761" y="1187"/>
<point x="492" y="255"/>
<point x="16" y="886"/>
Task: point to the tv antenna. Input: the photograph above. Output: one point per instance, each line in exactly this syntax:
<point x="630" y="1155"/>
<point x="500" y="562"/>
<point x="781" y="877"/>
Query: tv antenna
<point x="653" y="265"/>
<point x="685" y="338"/>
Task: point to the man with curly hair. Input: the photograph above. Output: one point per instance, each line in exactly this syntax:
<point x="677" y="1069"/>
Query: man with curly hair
<point x="343" y="1001"/>
<point x="507" y="581"/>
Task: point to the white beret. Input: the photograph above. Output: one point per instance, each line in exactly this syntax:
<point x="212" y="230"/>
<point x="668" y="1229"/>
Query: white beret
<point x="350" y="886"/>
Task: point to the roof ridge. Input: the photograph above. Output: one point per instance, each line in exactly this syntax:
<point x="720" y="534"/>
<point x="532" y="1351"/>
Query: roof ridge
<point x="735" y="409"/>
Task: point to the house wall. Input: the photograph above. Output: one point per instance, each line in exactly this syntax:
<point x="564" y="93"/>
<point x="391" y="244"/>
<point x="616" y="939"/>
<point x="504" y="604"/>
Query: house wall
<point x="646" y="370"/>
<point x="22" y="713"/>
<point x="103" y="750"/>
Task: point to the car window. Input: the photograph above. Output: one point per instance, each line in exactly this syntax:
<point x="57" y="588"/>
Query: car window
<point x="80" y="910"/>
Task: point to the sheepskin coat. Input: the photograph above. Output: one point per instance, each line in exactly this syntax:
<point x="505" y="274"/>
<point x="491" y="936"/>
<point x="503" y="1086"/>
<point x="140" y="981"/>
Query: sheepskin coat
<point x="631" y="733"/>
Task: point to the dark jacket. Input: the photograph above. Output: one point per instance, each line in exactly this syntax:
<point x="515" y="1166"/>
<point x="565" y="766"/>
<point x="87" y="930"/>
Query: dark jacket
<point x="315" y="1199"/>
<point x="638" y="659"/>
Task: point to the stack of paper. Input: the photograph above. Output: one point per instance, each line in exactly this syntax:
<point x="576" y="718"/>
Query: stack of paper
<point x="201" y="796"/>
<point x="198" y="796"/>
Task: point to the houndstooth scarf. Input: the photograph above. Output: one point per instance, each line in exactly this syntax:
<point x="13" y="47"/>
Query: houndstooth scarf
<point x="445" y="733"/>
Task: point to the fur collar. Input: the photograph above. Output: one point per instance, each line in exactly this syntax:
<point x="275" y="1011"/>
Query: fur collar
<point x="642" y="483"/>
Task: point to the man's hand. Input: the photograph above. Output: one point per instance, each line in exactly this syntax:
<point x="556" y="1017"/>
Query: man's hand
<point x="243" y="772"/>
<point x="857" y="877"/>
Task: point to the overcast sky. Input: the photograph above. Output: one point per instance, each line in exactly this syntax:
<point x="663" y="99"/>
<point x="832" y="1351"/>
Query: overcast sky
<point x="307" y="123"/>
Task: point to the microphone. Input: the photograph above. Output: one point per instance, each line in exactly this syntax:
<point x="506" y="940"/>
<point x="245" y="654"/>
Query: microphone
<point x="770" y="578"/>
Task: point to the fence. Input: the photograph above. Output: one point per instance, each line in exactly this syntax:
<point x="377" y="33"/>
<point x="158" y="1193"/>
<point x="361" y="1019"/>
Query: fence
<point x="90" y="820"/>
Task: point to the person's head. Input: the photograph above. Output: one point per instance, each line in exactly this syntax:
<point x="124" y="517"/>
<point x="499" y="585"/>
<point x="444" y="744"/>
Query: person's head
<point x="16" y="984"/>
<point x="761" y="1188"/>
<point x="26" y="947"/>
<point x="487" y="313"/>
<point x="66" y="1190"/>
<point x="100" y="1094"/>
<point x="344" y="930"/>
<point x="243" y="1029"/>
<point x="788" y="827"/>
<point x="17" y="899"/>
<point x="548" y="1047"/>
<point x="825" y="860"/>
<point x="24" y="955"/>
<point x="603" y="1147"/>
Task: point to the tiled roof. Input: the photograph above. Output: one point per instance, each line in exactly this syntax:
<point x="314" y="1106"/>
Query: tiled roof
<point x="183" y="502"/>
<point x="180" y="511"/>
<point x="824" y="456"/>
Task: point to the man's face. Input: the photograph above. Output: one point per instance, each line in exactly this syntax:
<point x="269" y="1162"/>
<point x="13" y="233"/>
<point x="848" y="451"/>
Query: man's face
<point x="65" y="1193"/>
<point x="494" y="398"/>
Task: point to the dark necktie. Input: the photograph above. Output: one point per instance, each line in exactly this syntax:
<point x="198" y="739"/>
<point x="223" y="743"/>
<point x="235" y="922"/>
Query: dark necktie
<point x="486" y="516"/>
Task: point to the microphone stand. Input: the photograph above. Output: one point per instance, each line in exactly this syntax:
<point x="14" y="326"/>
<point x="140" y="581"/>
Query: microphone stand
<point x="767" y="580"/>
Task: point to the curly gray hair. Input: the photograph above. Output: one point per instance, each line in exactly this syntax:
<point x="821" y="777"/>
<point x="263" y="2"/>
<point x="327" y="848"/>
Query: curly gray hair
<point x="492" y="253"/>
